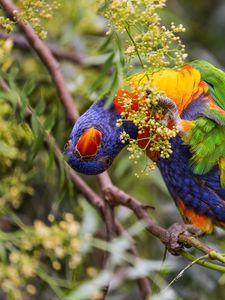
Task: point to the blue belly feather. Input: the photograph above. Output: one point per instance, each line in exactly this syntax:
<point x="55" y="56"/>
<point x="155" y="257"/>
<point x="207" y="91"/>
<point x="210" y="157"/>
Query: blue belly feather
<point x="201" y="193"/>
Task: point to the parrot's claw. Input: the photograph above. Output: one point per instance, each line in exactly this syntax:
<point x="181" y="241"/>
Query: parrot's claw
<point x="173" y="245"/>
<point x="172" y="112"/>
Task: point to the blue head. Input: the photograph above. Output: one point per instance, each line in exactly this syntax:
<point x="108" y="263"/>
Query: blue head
<point x="95" y="139"/>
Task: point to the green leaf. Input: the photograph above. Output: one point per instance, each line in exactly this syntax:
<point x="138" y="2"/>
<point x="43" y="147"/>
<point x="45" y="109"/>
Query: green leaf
<point x="50" y="122"/>
<point x="23" y="108"/>
<point x="62" y="176"/>
<point x="113" y="89"/>
<point x="13" y="74"/>
<point x="26" y="129"/>
<point x="106" y="43"/>
<point x="3" y="255"/>
<point x="119" y="46"/>
<point x="29" y="87"/>
<point x="40" y="108"/>
<point x="51" y="157"/>
<point x="35" y="125"/>
<point x="103" y="73"/>
<point x="37" y="145"/>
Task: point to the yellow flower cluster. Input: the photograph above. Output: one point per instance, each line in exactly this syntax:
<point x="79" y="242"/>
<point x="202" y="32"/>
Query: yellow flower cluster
<point x="60" y="240"/>
<point x="155" y="45"/>
<point x="5" y="54"/>
<point x="7" y="24"/>
<point x="36" y="12"/>
<point x="33" y="11"/>
<point x="14" y="184"/>
<point x="35" y="245"/>
<point x="140" y="105"/>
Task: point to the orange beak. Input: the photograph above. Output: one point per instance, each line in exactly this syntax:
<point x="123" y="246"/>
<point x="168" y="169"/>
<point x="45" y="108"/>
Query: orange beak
<point x="89" y="143"/>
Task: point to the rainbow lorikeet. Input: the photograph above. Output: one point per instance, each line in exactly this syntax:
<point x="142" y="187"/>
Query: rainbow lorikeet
<point x="195" y="171"/>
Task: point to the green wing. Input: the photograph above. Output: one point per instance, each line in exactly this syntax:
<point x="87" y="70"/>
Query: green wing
<point x="207" y="136"/>
<point x="207" y="145"/>
<point x="214" y="77"/>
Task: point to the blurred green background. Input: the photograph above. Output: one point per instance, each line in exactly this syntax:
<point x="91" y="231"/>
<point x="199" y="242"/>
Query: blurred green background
<point x="33" y="187"/>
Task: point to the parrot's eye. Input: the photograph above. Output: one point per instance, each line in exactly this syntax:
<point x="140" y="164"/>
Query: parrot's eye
<point x="68" y="145"/>
<point x="88" y="143"/>
<point x="106" y="161"/>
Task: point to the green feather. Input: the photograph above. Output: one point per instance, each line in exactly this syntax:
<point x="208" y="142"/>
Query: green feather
<point x="222" y="171"/>
<point x="214" y="77"/>
<point x="215" y="115"/>
<point x="207" y="145"/>
<point x="207" y="137"/>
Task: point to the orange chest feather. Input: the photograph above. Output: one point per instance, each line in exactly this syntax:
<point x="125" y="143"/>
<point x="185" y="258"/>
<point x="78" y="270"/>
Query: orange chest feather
<point x="200" y="221"/>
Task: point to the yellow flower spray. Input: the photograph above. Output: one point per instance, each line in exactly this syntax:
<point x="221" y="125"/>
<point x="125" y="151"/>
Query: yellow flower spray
<point x="150" y="47"/>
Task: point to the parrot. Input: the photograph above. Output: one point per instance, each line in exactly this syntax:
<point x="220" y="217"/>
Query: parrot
<point x="194" y="173"/>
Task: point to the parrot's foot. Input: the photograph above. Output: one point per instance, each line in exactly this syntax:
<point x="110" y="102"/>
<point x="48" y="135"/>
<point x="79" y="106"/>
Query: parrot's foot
<point x="173" y="245"/>
<point x="172" y="112"/>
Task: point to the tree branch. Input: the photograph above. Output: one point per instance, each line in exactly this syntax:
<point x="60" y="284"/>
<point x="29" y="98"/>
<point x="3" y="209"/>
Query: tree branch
<point x="47" y="58"/>
<point x="118" y="197"/>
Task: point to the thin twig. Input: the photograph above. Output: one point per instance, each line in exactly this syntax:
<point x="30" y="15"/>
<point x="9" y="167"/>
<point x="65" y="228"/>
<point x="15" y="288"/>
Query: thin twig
<point x="185" y="269"/>
<point x="203" y="263"/>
